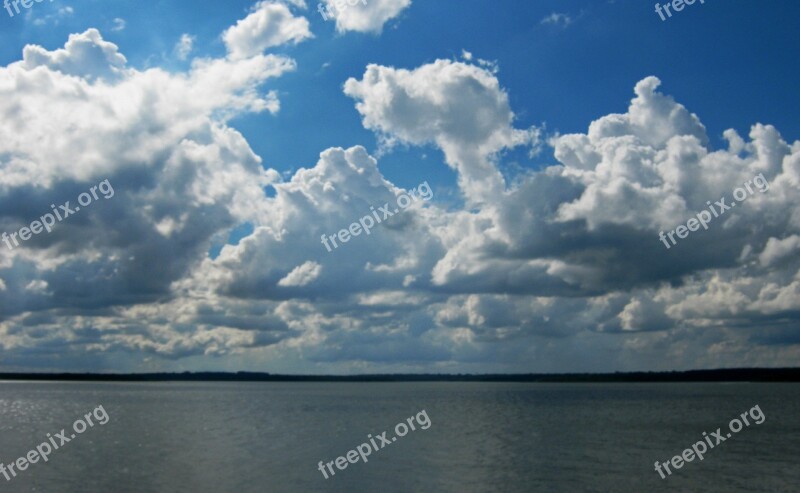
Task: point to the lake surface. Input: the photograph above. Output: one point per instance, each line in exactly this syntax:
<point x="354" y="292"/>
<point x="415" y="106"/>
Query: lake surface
<point x="483" y="437"/>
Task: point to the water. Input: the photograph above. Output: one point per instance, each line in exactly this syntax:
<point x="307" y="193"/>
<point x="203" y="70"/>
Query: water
<point x="484" y="437"/>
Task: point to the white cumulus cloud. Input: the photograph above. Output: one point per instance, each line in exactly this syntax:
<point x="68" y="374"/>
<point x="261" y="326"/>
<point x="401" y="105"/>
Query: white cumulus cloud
<point x="364" y="15"/>
<point x="301" y="275"/>
<point x="269" y="24"/>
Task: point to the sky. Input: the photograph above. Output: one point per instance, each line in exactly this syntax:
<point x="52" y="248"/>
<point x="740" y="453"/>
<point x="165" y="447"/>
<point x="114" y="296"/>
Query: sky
<point x="398" y="186"/>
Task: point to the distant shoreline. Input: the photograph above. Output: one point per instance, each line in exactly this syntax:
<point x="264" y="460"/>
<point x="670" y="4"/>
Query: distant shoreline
<point x="720" y="375"/>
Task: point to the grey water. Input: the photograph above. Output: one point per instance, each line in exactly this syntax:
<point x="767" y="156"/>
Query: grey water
<point x="483" y="437"/>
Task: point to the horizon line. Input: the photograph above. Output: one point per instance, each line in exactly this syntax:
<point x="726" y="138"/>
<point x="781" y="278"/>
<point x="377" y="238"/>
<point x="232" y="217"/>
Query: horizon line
<point x="760" y="374"/>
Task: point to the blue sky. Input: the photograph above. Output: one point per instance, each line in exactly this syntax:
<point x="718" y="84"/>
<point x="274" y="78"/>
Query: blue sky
<point x="529" y="78"/>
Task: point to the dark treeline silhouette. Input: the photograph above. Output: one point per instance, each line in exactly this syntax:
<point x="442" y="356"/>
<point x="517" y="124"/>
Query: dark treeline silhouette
<point x="721" y="375"/>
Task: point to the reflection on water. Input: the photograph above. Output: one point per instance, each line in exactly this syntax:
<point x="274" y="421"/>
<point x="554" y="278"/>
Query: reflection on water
<point x="485" y="437"/>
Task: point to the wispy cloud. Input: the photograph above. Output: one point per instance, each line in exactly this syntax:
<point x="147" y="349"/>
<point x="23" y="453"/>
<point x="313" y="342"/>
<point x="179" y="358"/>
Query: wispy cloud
<point x="119" y="24"/>
<point x="55" y="18"/>
<point x="184" y="46"/>
<point x="558" y="19"/>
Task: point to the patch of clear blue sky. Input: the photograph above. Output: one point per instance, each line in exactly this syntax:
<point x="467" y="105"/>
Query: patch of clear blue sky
<point x="726" y="60"/>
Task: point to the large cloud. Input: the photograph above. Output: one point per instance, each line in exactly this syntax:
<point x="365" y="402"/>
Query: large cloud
<point x="181" y="177"/>
<point x="459" y="107"/>
<point x="561" y="256"/>
<point x="562" y="269"/>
